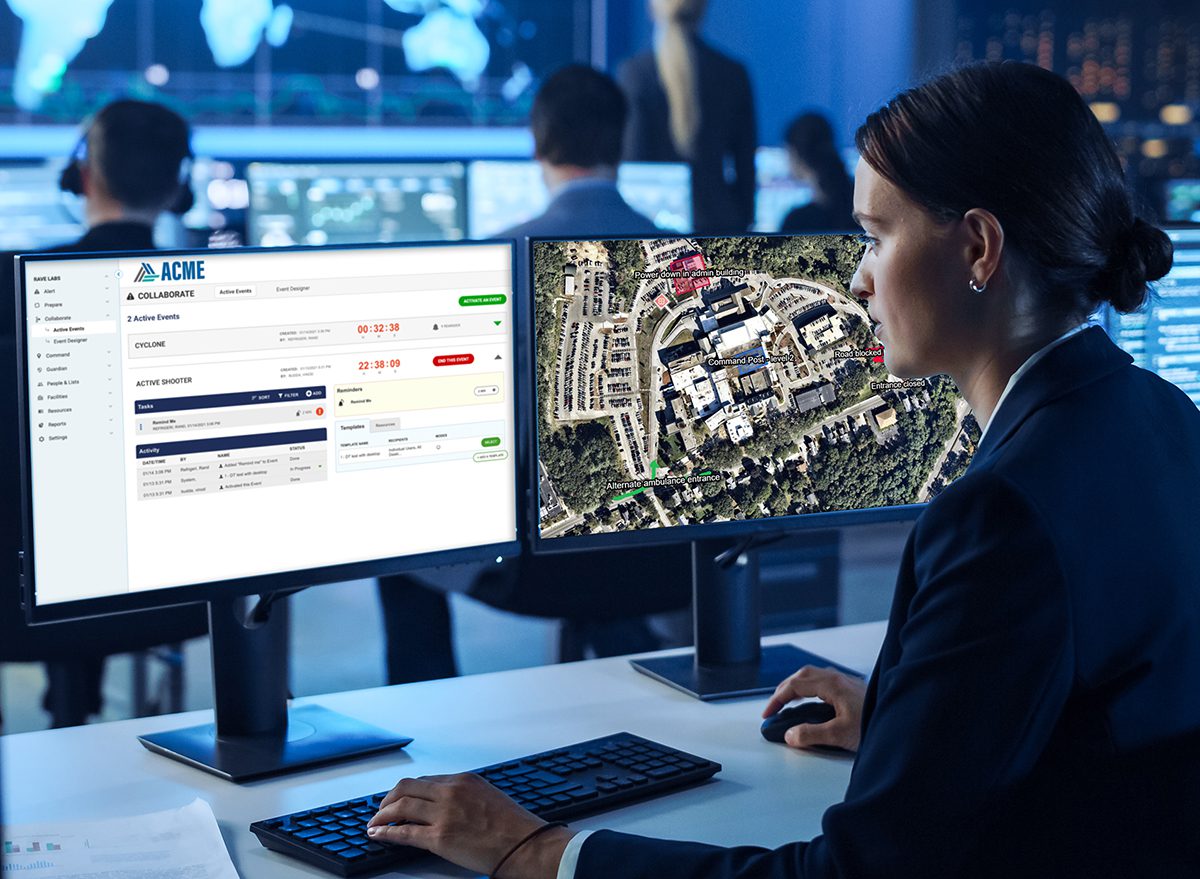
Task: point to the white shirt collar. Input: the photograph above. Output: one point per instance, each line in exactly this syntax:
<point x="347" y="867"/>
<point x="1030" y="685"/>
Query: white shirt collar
<point x="1025" y="367"/>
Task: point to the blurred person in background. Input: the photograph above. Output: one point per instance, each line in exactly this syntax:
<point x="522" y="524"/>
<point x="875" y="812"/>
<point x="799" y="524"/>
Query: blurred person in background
<point x="691" y="103"/>
<point x="814" y="160"/>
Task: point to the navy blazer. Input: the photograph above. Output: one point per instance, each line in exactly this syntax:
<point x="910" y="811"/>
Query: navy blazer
<point x="1035" y="709"/>
<point x="592" y="207"/>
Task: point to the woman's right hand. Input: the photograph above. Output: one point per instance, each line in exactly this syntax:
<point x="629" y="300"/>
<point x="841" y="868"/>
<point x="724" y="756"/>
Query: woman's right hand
<point x="844" y="692"/>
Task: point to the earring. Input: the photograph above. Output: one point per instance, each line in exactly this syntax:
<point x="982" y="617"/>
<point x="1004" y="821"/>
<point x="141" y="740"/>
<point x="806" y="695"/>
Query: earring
<point x="977" y="288"/>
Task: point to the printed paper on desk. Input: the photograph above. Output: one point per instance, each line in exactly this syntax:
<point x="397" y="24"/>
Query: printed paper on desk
<point x="176" y="844"/>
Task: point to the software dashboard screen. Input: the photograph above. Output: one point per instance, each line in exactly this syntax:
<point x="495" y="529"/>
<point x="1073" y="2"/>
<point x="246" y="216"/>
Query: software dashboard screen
<point x="503" y="194"/>
<point x="215" y="415"/>
<point x="1164" y="335"/>
<point x="1182" y="201"/>
<point x="342" y="203"/>
<point x="699" y="380"/>
<point x="33" y="212"/>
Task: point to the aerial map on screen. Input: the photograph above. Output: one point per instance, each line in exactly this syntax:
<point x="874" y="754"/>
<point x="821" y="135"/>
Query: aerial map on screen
<point x="699" y="380"/>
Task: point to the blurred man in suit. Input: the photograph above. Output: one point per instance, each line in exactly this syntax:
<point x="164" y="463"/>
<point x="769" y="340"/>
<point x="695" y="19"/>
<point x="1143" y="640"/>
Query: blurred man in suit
<point x="578" y="122"/>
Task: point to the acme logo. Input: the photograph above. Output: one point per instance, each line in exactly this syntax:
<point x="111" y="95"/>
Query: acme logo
<point x="174" y="270"/>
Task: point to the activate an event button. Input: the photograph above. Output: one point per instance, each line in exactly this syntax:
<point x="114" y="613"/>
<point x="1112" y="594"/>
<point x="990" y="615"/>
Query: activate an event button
<point x="453" y="359"/>
<point x="485" y="299"/>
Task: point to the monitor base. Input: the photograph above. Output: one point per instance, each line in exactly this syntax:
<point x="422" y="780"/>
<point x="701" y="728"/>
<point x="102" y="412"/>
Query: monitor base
<point x="732" y="681"/>
<point x="315" y="735"/>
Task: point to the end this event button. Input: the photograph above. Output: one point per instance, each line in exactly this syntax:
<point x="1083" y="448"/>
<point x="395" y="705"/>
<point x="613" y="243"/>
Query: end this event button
<point x="453" y="359"/>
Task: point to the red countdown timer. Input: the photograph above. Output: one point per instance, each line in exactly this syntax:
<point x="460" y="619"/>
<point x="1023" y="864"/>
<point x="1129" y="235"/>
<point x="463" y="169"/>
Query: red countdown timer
<point x="391" y="363"/>
<point x="373" y="329"/>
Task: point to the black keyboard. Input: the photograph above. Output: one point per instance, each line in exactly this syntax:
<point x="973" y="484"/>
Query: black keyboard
<point x="565" y="783"/>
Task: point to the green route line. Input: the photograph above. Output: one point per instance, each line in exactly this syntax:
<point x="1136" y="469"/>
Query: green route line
<point x="622" y="497"/>
<point x="653" y="475"/>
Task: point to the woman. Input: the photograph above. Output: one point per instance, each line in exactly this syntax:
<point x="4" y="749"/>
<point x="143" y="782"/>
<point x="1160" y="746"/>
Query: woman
<point x="814" y="160"/>
<point x="690" y="103"/>
<point x="1033" y="711"/>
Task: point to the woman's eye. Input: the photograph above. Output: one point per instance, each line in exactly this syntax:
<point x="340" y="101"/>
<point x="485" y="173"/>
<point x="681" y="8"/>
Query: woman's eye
<point x="867" y="241"/>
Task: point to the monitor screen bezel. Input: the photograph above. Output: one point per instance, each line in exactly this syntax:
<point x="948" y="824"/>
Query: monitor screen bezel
<point x="732" y="530"/>
<point x="36" y="614"/>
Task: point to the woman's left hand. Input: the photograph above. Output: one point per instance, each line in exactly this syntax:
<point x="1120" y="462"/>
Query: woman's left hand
<point x="465" y="820"/>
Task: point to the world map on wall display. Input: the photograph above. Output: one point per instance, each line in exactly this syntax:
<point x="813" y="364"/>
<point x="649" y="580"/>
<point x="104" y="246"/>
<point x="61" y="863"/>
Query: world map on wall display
<point x="370" y="61"/>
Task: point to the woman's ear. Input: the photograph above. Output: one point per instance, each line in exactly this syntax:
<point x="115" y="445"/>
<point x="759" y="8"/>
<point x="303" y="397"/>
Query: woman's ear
<point x="985" y="244"/>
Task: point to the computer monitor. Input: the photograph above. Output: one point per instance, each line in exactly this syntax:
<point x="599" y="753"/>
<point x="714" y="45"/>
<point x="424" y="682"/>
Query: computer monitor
<point x="661" y="191"/>
<point x="721" y="390"/>
<point x="1181" y="199"/>
<point x="1164" y="335"/>
<point x="349" y="203"/>
<point x="778" y="192"/>
<point x="222" y="197"/>
<point x="505" y="193"/>
<point x="33" y="211"/>
<point x="203" y="425"/>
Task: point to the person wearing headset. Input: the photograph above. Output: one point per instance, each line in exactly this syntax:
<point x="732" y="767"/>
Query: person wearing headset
<point x="130" y="165"/>
<point x="1033" y="709"/>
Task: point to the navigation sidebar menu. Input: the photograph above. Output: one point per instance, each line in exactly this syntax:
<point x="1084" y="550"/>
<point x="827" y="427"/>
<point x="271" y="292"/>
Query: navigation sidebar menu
<point x="74" y="398"/>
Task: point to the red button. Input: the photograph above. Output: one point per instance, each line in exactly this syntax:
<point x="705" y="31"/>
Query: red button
<point x="453" y="359"/>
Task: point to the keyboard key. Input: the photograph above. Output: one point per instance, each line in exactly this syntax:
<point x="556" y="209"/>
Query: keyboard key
<point x="352" y="854"/>
<point x="336" y="847"/>
<point x="308" y="834"/>
<point x="328" y="837"/>
<point x="663" y="771"/>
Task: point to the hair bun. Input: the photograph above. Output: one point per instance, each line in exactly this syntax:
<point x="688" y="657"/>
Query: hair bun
<point x="1141" y="254"/>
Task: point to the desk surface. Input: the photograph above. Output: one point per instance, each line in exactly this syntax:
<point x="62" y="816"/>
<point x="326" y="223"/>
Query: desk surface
<point x="766" y="794"/>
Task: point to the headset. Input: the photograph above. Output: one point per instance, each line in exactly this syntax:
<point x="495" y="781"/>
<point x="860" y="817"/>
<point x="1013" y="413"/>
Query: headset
<point x="71" y="178"/>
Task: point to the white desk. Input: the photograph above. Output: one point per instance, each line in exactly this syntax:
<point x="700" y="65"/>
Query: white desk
<point x="765" y="795"/>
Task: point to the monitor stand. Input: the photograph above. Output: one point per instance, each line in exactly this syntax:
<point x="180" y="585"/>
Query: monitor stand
<point x="255" y="734"/>
<point x="729" y="660"/>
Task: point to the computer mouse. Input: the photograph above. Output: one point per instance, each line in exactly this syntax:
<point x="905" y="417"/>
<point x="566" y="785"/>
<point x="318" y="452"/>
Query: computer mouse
<point x="776" y="726"/>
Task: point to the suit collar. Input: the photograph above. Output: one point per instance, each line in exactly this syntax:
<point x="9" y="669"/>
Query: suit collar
<point x="1080" y="360"/>
<point x="584" y="189"/>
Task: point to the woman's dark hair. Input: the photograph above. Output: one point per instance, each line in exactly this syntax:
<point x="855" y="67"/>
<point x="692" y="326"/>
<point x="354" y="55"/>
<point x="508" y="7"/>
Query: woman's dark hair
<point x="810" y="137"/>
<point x="1018" y="141"/>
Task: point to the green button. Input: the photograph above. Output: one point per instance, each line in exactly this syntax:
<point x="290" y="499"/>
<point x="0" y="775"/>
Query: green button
<point x="488" y="299"/>
<point x="489" y="441"/>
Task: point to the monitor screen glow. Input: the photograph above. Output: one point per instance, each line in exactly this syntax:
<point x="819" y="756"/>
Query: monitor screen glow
<point x="345" y="203"/>
<point x="207" y="416"/>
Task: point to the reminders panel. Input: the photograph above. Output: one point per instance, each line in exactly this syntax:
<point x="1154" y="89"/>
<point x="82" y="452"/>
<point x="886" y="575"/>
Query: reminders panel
<point x="217" y="416"/>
